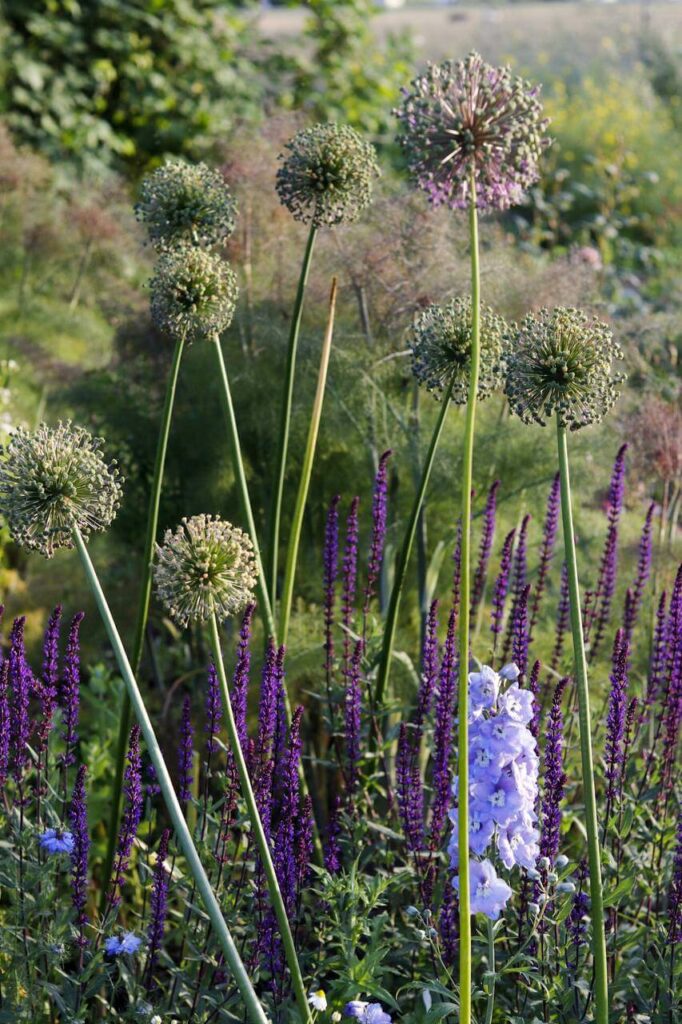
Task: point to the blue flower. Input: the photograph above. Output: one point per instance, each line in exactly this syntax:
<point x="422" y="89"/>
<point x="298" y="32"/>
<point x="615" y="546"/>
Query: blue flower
<point x="56" y="841"/>
<point x="510" y="672"/>
<point x="355" y="1008"/>
<point x="518" y="843"/>
<point x="367" y="1013"/>
<point x="489" y="894"/>
<point x="501" y="797"/>
<point x="484" y="687"/>
<point x="127" y="943"/>
<point x="517" y="704"/>
<point x="481" y="831"/>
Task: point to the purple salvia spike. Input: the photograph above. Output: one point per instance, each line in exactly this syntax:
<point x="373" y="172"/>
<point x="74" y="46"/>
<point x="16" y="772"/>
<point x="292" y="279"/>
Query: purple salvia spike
<point x="379" y="519"/>
<point x="47" y="690"/>
<point x="675" y="893"/>
<point x="534" y="687"/>
<point x="448" y="924"/>
<point x="20" y="681"/>
<point x="284" y="853"/>
<point x="352" y="716"/>
<point x="69" y="694"/>
<point x="331" y="549"/>
<point x="240" y="679"/>
<point x="457" y="568"/>
<point x="563" y="611"/>
<point x="617" y="487"/>
<point x="78" y="815"/>
<point x="615" y="721"/>
<point x="554" y="778"/>
<point x="628" y="737"/>
<point x="409" y="793"/>
<point x="549" y="536"/>
<point x="501" y="587"/>
<point x="5" y="722"/>
<point x="332" y="848"/>
<point x="519" y="632"/>
<point x="304" y="840"/>
<point x="349" y="581"/>
<point x="267" y="726"/>
<point x="519" y="573"/>
<point x="158" y="905"/>
<point x="643" y="572"/>
<point x="132" y="813"/>
<point x="185" y="752"/>
<point x="674" y="623"/>
<point x="672" y="712"/>
<point x="576" y="925"/>
<point x="214" y="711"/>
<point x="442" y="741"/>
<point x="487" y="535"/>
<point x="429" y="673"/>
<point x="658" y="651"/>
<point x="606" y="579"/>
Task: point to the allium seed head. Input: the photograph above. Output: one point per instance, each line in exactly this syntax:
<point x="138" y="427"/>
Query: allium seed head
<point x="193" y="293"/>
<point x="206" y="566"/>
<point x="53" y="479"/>
<point x="186" y="204"/>
<point x="441" y="349"/>
<point x="466" y="116"/>
<point x="562" y="363"/>
<point x="327" y="175"/>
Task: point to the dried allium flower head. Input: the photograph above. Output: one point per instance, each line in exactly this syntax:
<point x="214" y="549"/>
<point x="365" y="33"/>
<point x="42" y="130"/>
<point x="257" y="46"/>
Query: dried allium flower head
<point x="441" y="349"/>
<point x="206" y="566"/>
<point x="466" y="117"/>
<point x="53" y="479"/>
<point x="327" y="175"/>
<point x="193" y="293"/>
<point x="561" y="362"/>
<point x="186" y="204"/>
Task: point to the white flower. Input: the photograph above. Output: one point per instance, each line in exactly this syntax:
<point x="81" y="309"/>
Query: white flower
<point x="318" y="1000"/>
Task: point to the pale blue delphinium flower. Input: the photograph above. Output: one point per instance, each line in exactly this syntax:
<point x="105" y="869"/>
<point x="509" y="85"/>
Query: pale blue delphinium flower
<point x="56" y="841"/>
<point x="367" y="1013"/>
<point x="489" y="894"/>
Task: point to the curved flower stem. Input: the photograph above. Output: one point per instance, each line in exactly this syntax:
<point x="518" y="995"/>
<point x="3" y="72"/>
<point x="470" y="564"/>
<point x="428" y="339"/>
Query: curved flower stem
<point x="601" y="993"/>
<point x="464" y="615"/>
<point x="242" y="486"/>
<point x="285" y="422"/>
<point x="490" y="1002"/>
<point x="306" y="471"/>
<point x="384" y="670"/>
<point x="232" y="958"/>
<point x="257" y="828"/>
<point x="142" y="611"/>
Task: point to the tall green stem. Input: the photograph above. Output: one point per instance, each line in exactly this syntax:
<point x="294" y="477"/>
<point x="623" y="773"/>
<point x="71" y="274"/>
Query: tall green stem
<point x="490" y="1001"/>
<point x="601" y="993"/>
<point x="142" y="608"/>
<point x="405" y="552"/>
<point x="242" y="486"/>
<point x="464" y="615"/>
<point x="251" y="1001"/>
<point x="257" y="828"/>
<point x="306" y="471"/>
<point x="285" y="422"/>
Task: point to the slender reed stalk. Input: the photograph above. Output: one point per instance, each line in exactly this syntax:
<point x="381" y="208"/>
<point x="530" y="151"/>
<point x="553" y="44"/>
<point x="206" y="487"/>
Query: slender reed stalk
<point x="257" y="828"/>
<point x="242" y="486"/>
<point x="232" y="958"/>
<point x="490" y="1000"/>
<point x="306" y="471"/>
<point x="142" y="610"/>
<point x="285" y="422"/>
<point x="601" y="994"/>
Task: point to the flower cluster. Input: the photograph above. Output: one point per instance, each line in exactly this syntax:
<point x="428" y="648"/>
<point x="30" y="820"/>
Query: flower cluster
<point x="466" y="122"/>
<point x="503" y="766"/>
<point x="366" y="1013"/>
<point x="185" y="203"/>
<point x="441" y="349"/>
<point x="562" y="363"/>
<point x="194" y="294"/>
<point x="53" y="480"/>
<point x="327" y="175"/>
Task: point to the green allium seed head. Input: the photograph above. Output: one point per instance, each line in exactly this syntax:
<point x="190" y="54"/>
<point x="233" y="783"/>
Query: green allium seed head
<point x="194" y="293"/>
<point x="55" y="479"/>
<point x="441" y="349"/>
<point x="184" y="204"/>
<point x="327" y="175"/>
<point x="206" y="566"/>
<point x="561" y="362"/>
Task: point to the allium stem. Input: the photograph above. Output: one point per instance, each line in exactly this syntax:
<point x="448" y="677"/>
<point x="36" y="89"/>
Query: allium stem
<point x="142" y="609"/>
<point x="306" y="472"/>
<point x="601" y="994"/>
<point x="230" y="952"/>
<point x="257" y="827"/>
<point x="285" y="422"/>
<point x="464" y="616"/>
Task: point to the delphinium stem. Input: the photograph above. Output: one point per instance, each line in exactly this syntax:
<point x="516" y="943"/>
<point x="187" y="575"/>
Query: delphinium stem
<point x="464" y="615"/>
<point x="285" y="421"/>
<point x="490" y="1002"/>
<point x="601" y="994"/>
<point x="257" y="827"/>
<point x="142" y="610"/>
<point x="242" y="486"/>
<point x="232" y="958"/>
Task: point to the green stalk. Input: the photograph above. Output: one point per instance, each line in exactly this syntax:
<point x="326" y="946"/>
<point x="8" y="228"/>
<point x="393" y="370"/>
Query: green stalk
<point x="405" y="552"/>
<point x="242" y="486"/>
<point x="257" y="828"/>
<point x="490" y="1001"/>
<point x="285" y="422"/>
<point x="142" y="610"/>
<point x="251" y="1001"/>
<point x="464" y="615"/>
<point x="306" y="471"/>
<point x="601" y="993"/>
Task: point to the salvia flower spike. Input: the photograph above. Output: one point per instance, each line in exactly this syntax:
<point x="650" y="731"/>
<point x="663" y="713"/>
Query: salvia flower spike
<point x="52" y="480"/>
<point x="205" y="567"/>
<point x="193" y="294"/>
<point x="186" y="204"/>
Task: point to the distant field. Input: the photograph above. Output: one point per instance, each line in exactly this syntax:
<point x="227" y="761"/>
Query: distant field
<point x="562" y="36"/>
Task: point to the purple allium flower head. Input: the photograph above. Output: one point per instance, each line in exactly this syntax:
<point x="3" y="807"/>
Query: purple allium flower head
<point x="158" y="904"/>
<point x="331" y="550"/>
<point x="379" y="519"/>
<point x="554" y="778"/>
<point x="47" y="688"/>
<point x="79" y="854"/>
<point x="643" y="572"/>
<point x="534" y="687"/>
<point x="615" y="722"/>
<point x="546" y="549"/>
<point x="349" y="580"/>
<point x="489" y="893"/>
<point x="21" y="680"/>
<point x="467" y="120"/>
<point x="127" y="943"/>
<point x="56" y="840"/>
<point x="69" y="696"/>
<point x="214" y="710"/>
<point x="304" y="842"/>
<point x="132" y="788"/>
<point x="5" y="721"/>
<point x="409" y="792"/>
<point x="487" y="535"/>
<point x="352" y="717"/>
<point x="185" y="751"/>
<point x="240" y="679"/>
<point x="675" y="892"/>
<point x="563" y="610"/>
<point x="519" y="635"/>
<point x="332" y="849"/>
<point x="502" y="586"/>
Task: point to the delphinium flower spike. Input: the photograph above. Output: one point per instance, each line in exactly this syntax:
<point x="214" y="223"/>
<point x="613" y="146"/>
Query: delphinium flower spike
<point x="185" y="204"/>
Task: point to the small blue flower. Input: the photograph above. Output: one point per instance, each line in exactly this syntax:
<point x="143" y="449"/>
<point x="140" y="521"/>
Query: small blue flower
<point x="484" y="687"/>
<point x="489" y="894"/>
<point x="510" y="672"/>
<point x="517" y="704"/>
<point x="127" y="943"/>
<point x="56" y="841"/>
<point x="501" y="797"/>
<point x="355" y="1008"/>
<point x="367" y="1013"/>
<point x="518" y="844"/>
